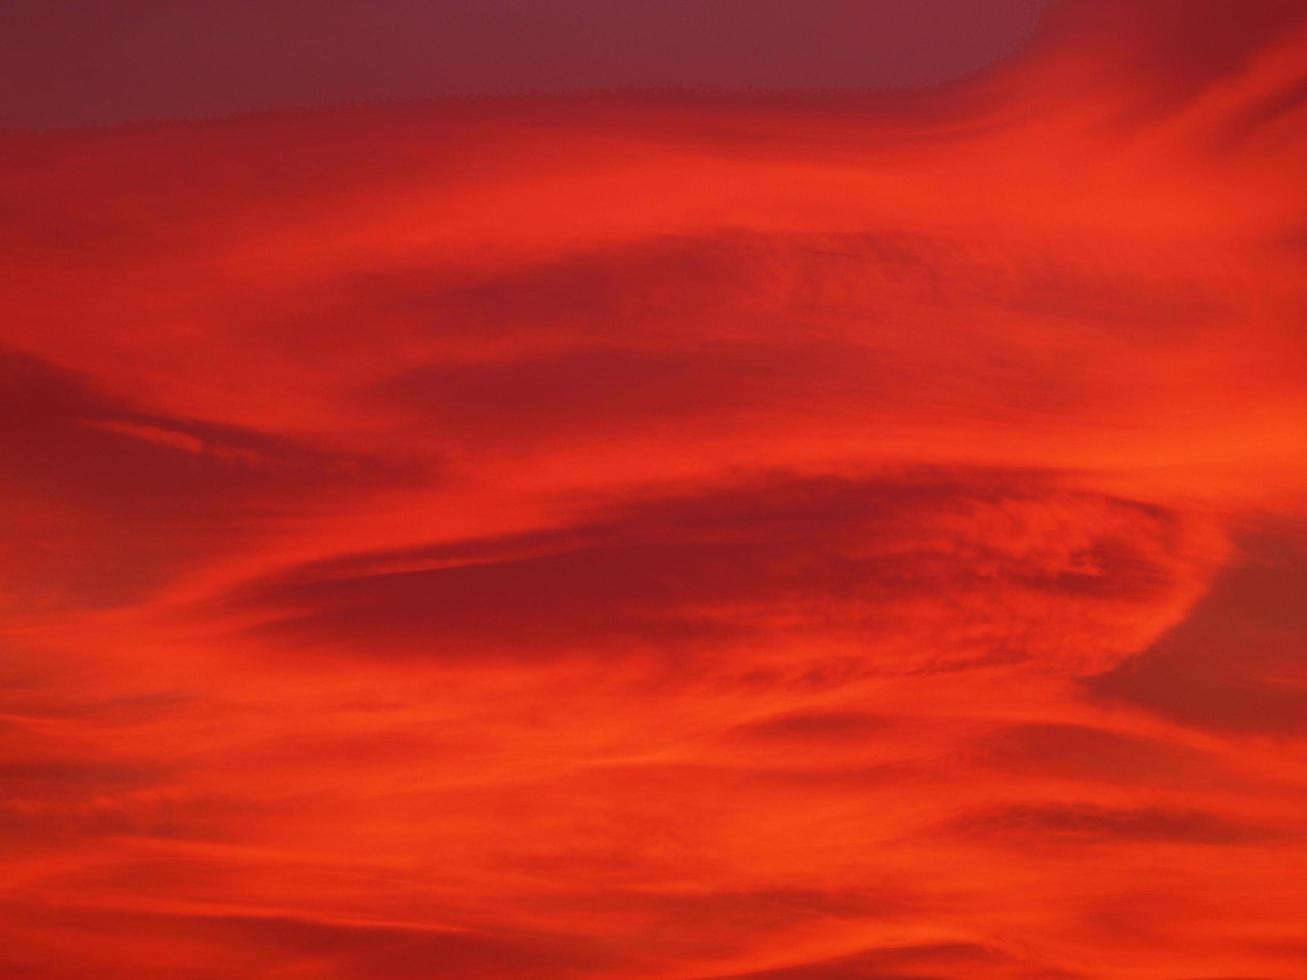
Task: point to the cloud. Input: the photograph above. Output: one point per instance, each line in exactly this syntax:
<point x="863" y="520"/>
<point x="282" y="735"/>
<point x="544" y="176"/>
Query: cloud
<point x="210" y="946"/>
<point x="96" y="481"/>
<point x="668" y="534"/>
<point x="812" y="727"/>
<point x="1083" y="752"/>
<point x="1232" y="665"/>
<point x="616" y="392"/>
<point x="854" y="564"/>
<point x="921" y="960"/>
<point x="1019" y="825"/>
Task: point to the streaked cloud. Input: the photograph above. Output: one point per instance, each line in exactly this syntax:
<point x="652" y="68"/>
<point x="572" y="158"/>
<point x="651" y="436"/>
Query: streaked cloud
<point x="668" y="535"/>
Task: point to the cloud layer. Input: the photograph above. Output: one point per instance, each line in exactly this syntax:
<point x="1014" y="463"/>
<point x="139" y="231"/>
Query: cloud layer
<point x="818" y="535"/>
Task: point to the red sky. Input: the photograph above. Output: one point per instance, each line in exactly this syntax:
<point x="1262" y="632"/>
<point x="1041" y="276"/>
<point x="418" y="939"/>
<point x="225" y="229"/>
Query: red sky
<point x="674" y="534"/>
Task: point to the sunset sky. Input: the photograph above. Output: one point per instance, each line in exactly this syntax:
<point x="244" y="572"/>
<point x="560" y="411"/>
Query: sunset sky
<point x="734" y="489"/>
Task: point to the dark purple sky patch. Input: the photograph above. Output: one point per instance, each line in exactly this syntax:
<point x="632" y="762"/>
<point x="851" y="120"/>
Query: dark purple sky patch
<point x="87" y="62"/>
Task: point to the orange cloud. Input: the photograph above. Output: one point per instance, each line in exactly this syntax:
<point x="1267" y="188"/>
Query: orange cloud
<point x="669" y="536"/>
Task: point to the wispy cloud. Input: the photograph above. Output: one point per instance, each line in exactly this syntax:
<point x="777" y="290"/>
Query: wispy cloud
<point x="668" y="535"/>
